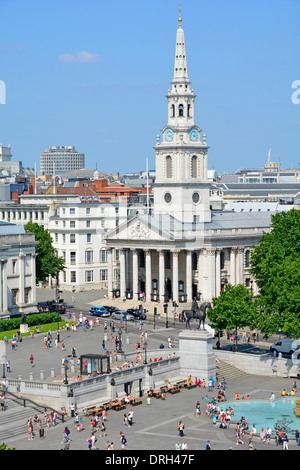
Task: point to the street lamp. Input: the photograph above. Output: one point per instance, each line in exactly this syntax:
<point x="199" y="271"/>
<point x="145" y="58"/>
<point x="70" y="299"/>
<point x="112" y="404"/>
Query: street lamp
<point x="145" y="349"/>
<point x="66" y="375"/>
<point x="120" y="340"/>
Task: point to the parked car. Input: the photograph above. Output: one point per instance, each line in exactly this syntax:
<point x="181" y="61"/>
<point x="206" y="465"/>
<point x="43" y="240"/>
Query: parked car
<point x="286" y="346"/>
<point x="56" y="307"/>
<point x="99" y="311"/>
<point x="121" y="314"/>
<point x="137" y="314"/>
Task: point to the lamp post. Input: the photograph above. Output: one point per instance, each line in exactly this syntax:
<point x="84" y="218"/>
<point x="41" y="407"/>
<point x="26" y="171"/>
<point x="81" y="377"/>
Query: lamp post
<point x="120" y="340"/>
<point x="66" y="375"/>
<point x="145" y="349"/>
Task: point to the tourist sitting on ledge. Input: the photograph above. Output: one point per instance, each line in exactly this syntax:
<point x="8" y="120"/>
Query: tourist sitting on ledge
<point x="128" y="399"/>
<point x="283" y="393"/>
<point x="190" y="380"/>
<point x="150" y="392"/>
<point x="237" y="396"/>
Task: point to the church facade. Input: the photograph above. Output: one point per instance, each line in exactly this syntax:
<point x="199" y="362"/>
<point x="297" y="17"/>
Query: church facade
<point x="181" y="248"/>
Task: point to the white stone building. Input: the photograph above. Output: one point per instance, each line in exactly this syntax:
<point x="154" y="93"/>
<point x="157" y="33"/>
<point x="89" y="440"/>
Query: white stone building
<point x="183" y="248"/>
<point x="78" y="231"/>
<point x="17" y="270"/>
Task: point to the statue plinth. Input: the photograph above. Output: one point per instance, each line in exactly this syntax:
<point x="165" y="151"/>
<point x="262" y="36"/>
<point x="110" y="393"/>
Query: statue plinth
<point x="24" y="328"/>
<point x="197" y="357"/>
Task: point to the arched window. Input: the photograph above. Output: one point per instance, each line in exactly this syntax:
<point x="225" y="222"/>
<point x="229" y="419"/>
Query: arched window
<point x="172" y="110"/>
<point x="188" y="110"/>
<point x="169" y="166"/>
<point x="194" y="166"/>
<point x="180" y="110"/>
<point x="247" y="258"/>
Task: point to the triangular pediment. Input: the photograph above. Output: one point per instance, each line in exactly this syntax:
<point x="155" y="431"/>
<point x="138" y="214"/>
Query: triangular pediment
<point x="140" y="228"/>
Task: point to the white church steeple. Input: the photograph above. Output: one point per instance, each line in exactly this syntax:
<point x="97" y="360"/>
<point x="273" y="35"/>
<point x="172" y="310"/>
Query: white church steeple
<point x="181" y="187"/>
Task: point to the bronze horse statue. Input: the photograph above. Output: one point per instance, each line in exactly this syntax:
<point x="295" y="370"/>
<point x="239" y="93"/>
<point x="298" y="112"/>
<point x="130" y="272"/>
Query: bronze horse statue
<point x="199" y="313"/>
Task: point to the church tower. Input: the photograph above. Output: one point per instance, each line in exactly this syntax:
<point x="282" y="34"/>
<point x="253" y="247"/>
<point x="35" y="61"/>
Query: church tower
<point x="181" y="188"/>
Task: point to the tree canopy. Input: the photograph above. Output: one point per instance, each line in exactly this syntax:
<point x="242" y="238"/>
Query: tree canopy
<point x="275" y="265"/>
<point x="233" y="309"/>
<point x="47" y="263"/>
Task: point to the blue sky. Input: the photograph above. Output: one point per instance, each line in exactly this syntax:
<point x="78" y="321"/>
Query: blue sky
<point x="94" y="74"/>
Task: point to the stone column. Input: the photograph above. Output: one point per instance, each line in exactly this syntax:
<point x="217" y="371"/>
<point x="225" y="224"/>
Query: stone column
<point x="33" y="278"/>
<point x="175" y="276"/>
<point x="21" y="278"/>
<point x="211" y="261"/>
<point x="122" y="273"/>
<point x="4" y="284"/>
<point x="218" y="272"/>
<point x="189" y="288"/>
<point x="135" y="275"/>
<point x="148" y="275"/>
<point x="241" y="266"/>
<point x="109" y="273"/>
<point x="161" y="285"/>
<point x="232" y="266"/>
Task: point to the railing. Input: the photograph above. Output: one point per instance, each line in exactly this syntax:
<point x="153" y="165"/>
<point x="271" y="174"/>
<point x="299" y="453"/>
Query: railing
<point x="37" y="405"/>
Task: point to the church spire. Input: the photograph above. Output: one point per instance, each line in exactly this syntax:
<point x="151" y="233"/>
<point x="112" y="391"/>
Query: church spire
<point x="180" y="67"/>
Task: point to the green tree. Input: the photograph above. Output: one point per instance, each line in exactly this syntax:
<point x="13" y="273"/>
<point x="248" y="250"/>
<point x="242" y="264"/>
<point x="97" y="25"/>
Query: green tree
<point x="275" y="265"/>
<point x="233" y="309"/>
<point x="47" y="263"/>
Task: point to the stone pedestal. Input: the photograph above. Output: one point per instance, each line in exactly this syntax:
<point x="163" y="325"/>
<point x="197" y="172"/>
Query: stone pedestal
<point x="24" y="328"/>
<point x="197" y="357"/>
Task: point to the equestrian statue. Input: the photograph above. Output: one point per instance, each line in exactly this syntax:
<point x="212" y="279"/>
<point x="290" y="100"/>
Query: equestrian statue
<point x="199" y="313"/>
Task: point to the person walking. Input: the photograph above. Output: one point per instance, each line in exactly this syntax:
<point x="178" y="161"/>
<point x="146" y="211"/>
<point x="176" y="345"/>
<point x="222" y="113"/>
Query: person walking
<point x="123" y="440"/>
<point x="285" y="441"/>
<point x="180" y="428"/>
<point x="31" y="360"/>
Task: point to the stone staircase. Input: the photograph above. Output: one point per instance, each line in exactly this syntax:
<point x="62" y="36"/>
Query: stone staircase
<point x="13" y="421"/>
<point x="223" y="369"/>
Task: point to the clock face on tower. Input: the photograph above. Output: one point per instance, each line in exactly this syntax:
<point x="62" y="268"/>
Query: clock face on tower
<point x="193" y="135"/>
<point x="169" y="135"/>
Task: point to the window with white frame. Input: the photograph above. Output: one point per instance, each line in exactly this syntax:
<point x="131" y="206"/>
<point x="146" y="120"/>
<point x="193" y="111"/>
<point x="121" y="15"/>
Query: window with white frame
<point x="72" y="257"/>
<point x="103" y="256"/>
<point x="89" y="276"/>
<point x="73" y="276"/>
<point x="89" y="256"/>
<point x="103" y="274"/>
<point x="72" y="238"/>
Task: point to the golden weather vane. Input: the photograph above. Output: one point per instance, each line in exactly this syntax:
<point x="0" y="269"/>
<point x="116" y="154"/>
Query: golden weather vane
<point x="180" y="19"/>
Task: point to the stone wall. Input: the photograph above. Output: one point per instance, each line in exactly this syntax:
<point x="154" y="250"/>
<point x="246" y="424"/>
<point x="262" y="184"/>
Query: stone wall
<point x="261" y="365"/>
